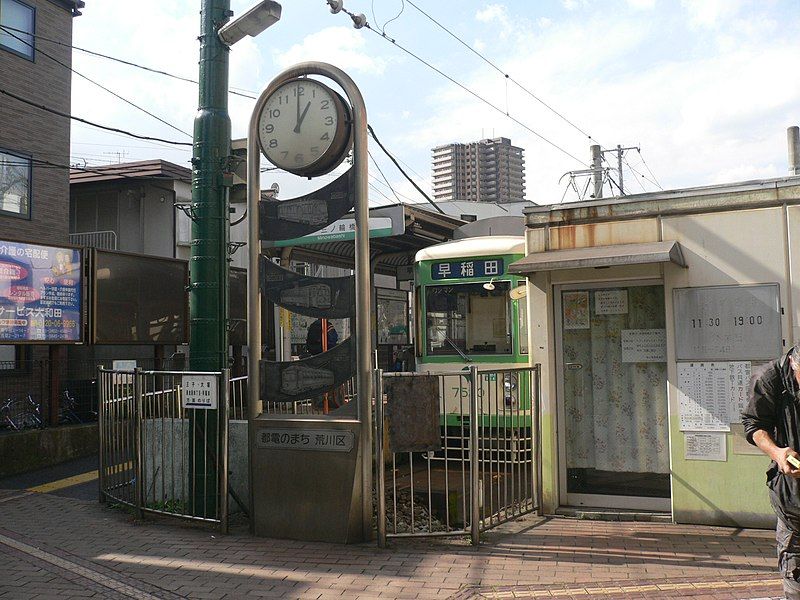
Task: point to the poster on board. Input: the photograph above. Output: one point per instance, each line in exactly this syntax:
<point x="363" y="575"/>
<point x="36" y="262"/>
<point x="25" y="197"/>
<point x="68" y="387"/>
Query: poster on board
<point x="41" y="296"/>
<point x="575" y="307"/>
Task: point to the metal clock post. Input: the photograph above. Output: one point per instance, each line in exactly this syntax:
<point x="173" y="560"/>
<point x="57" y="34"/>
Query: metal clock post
<point x="363" y="337"/>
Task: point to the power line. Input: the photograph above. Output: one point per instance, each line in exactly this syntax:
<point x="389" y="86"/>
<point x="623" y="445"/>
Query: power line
<point x="74" y="118"/>
<point x="399" y="168"/>
<point x="101" y="86"/>
<point x="476" y="95"/>
<point x="501" y="71"/>
<point x="644" y="162"/>
<point x="244" y="93"/>
<point x="377" y="166"/>
<point x="516" y="83"/>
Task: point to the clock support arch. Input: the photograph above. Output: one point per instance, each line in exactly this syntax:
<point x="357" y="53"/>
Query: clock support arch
<point x="295" y="493"/>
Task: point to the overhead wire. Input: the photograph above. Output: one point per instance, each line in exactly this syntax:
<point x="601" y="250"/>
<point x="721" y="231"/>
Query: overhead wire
<point x="377" y="166"/>
<point x="81" y="120"/>
<point x="508" y="78"/>
<point x="399" y="168"/>
<point x="90" y="80"/>
<point x="243" y="93"/>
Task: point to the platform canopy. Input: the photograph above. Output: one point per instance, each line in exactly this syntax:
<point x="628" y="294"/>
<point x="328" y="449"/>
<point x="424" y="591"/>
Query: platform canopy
<point x="397" y="232"/>
<point x="600" y="256"/>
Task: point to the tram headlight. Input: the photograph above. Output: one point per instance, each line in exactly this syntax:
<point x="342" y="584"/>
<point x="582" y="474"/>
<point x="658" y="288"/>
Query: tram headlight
<point x="509" y="388"/>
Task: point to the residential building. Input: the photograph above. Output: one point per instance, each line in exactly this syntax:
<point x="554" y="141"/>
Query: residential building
<point x="490" y="170"/>
<point x="34" y="143"/>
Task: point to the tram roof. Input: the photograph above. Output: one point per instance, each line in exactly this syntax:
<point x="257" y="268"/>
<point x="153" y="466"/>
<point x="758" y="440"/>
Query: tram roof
<point x="420" y="228"/>
<point x="477" y="246"/>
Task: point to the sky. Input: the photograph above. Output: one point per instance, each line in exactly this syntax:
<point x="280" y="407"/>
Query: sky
<point x="705" y="88"/>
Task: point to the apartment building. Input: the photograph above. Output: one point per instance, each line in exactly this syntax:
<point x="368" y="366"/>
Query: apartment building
<point x="489" y="170"/>
<point x="34" y="143"/>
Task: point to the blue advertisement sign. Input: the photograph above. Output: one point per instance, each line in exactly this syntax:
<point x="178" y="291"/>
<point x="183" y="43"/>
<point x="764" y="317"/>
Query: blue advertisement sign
<point x="467" y="268"/>
<point x="40" y="293"/>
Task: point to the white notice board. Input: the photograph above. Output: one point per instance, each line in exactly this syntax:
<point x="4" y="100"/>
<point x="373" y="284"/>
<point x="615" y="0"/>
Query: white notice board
<point x="705" y="446"/>
<point x="727" y="322"/>
<point x="644" y="345"/>
<point x="703" y="394"/>
<point x="611" y="302"/>
<point x="199" y="391"/>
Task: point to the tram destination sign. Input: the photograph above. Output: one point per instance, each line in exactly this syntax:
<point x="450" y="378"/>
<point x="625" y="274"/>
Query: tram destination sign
<point x="40" y="293"/>
<point x="468" y="268"/>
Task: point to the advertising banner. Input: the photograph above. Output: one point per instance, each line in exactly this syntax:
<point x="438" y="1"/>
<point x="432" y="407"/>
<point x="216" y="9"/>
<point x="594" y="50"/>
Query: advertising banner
<point x="41" y="296"/>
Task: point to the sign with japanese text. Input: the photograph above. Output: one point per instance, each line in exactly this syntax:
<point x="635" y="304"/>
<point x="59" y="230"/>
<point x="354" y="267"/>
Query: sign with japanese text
<point x="463" y="269"/>
<point x="41" y="296"/>
<point x="328" y="440"/>
<point x="200" y="391"/>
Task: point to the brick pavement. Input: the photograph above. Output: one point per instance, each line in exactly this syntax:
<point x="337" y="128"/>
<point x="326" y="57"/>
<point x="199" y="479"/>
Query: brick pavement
<point x="60" y="547"/>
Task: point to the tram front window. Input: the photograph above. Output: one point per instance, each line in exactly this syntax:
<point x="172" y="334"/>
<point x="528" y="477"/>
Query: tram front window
<point x="468" y="319"/>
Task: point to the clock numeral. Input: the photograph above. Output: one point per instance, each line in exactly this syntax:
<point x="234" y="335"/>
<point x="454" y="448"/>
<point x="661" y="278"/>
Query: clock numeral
<point x="298" y="158"/>
<point x="299" y="90"/>
<point x="325" y="104"/>
<point x="269" y="128"/>
<point x="274" y="112"/>
<point x="285" y="154"/>
<point x="329" y="120"/>
<point x="280" y="99"/>
<point x="273" y="143"/>
<point x="314" y="150"/>
<point x="325" y="136"/>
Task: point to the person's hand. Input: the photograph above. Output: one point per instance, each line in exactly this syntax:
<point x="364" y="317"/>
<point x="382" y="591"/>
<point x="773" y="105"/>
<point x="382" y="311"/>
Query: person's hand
<point x="782" y="459"/>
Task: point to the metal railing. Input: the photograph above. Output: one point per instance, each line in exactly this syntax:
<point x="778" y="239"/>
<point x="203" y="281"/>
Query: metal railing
<point x="311" y="406"/>
<point x="105" y="240"/>
<point x="486" y="470"/>
<point x="157" y="456"/>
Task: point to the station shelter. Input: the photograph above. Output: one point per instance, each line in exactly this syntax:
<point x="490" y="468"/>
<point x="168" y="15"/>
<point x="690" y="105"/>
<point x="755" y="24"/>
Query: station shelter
<point x="397" y="233"/>
<point x="649" y="314"/>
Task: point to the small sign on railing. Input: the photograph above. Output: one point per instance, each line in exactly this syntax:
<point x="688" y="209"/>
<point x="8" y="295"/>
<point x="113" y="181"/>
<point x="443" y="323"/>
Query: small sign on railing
<point x="329" y="440"/>
<point x="200" y="392"/>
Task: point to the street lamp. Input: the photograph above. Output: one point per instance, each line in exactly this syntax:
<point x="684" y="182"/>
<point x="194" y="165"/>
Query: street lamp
<point x="208" y="266"/>
<point x="252" y="22"/>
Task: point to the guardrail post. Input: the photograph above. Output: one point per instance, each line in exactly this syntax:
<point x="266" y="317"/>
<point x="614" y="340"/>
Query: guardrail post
<point x="137" y="416"/>
<point x="536" y="407"/>
<point x="380" y="467"/>
<point x="474" y="456"/>
<point x="224" y="415"/>
<point x="101" y="430"/>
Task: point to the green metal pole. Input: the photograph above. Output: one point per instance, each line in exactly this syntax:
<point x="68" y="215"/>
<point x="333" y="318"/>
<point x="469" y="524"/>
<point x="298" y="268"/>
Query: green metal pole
<point x="208" y="266"/>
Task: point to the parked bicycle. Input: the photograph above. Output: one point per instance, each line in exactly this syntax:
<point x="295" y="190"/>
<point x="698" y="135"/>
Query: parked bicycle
<point x="67" y="410"/>
<point x="20" y="413"/>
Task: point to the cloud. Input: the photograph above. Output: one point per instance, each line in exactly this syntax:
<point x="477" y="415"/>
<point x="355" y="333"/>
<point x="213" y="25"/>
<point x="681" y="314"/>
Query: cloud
<point x="710" y="13"/>
<point x="336" y="45"/>
<point x="642" y="4"/>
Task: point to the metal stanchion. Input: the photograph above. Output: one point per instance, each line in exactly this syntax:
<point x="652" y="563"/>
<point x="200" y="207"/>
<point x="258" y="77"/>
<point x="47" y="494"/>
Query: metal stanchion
<point x="380" y="485"/>
<point x="137" y="416"/>
<point x="224" y="414"/>
<point x="474" y="451"/>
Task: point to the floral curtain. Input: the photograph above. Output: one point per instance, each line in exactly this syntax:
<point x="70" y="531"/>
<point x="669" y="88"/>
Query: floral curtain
<point x="616" y="412"/>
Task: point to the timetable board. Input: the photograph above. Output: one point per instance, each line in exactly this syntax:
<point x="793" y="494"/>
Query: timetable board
<point x="711" y="394"/>
<point x="732" y="322"/>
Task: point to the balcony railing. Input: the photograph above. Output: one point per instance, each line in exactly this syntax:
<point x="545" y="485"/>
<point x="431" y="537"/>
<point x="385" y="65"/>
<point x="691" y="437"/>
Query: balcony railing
<point x="105" y="240"/>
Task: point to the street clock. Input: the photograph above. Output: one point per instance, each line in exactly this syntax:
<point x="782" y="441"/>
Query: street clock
<point x="305" y="128"/>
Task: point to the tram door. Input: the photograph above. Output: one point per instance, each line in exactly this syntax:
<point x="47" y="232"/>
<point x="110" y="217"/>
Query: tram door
<point x="614" y="441"/>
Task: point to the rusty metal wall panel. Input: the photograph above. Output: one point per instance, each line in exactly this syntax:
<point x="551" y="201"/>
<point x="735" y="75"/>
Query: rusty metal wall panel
<point x="412" y="412"/>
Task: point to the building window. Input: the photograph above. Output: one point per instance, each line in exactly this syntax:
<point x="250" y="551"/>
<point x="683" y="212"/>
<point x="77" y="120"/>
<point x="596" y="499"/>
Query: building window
<point x="17" y="20"/>
<point x="14" y="360"/>
<point x="15" y="184"/>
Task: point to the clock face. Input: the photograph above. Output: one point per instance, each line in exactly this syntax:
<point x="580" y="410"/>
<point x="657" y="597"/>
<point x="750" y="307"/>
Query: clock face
<point x="302" y="127"/>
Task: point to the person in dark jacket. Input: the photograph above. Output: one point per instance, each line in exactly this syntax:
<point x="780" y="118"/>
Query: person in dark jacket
<point x="771" y="421"/>
<point x="314" y="337"/>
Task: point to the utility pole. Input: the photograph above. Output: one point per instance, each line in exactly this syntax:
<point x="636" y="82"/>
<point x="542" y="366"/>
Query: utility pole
<point x="619" y="150"/>
<point x="208" y="266"/>
<point x="597" y="170"/>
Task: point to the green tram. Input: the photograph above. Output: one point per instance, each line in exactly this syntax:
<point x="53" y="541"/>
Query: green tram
<point x="470" y="311"/>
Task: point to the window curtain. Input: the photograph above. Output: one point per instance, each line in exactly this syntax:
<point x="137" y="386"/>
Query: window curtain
<point x="616" y="413"/>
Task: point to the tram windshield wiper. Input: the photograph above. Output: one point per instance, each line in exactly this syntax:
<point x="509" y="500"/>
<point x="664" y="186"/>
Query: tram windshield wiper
<point x="461" y="353"/>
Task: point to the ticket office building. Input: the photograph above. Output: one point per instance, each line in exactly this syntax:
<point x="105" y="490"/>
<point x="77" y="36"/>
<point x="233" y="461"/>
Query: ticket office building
<point x="648" y="315"/>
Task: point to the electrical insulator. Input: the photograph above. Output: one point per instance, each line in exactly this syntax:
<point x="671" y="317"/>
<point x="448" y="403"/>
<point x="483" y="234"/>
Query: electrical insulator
<point x="359" y="20"/>
<point x="336" y="5"/>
